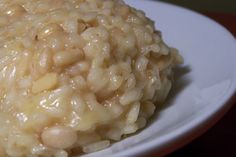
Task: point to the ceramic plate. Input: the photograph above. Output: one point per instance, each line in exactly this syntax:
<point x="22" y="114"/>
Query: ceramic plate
<point x="204" y="84"/>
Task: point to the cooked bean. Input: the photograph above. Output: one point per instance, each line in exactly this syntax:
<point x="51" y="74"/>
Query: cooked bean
<point x="64" y="58"/>
<point x="49" y="29"/>
<point x="59" y="137"/>
<point x="46" y="82"/>
<point x="15" y="10"/>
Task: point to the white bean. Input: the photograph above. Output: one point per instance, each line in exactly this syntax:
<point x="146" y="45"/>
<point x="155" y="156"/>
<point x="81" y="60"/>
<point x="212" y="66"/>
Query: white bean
<point x="65" y="58"/>
<point x="15" y="10"/>
<point x="60" y="137"/>
<point x="48" y="30"/>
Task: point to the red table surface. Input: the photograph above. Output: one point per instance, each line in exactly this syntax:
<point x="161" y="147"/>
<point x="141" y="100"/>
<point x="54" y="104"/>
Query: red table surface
<point x="220" y="140"/>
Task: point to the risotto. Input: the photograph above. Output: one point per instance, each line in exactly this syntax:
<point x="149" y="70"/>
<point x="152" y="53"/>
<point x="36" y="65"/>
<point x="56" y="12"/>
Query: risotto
<point x="76" y="75"/>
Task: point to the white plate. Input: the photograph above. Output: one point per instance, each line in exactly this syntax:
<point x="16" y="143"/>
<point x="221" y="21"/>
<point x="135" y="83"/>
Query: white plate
<point x="205" y="83"/>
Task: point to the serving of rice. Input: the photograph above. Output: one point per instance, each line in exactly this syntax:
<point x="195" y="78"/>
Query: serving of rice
<point x="77" y="75"/>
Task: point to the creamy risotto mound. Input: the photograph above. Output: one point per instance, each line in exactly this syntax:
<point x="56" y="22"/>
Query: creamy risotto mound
<point x="76" y="75"/>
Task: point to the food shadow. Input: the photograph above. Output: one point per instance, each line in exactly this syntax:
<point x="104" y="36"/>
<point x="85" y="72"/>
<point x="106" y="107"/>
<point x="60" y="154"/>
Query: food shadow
<point x="181" y="81"/>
